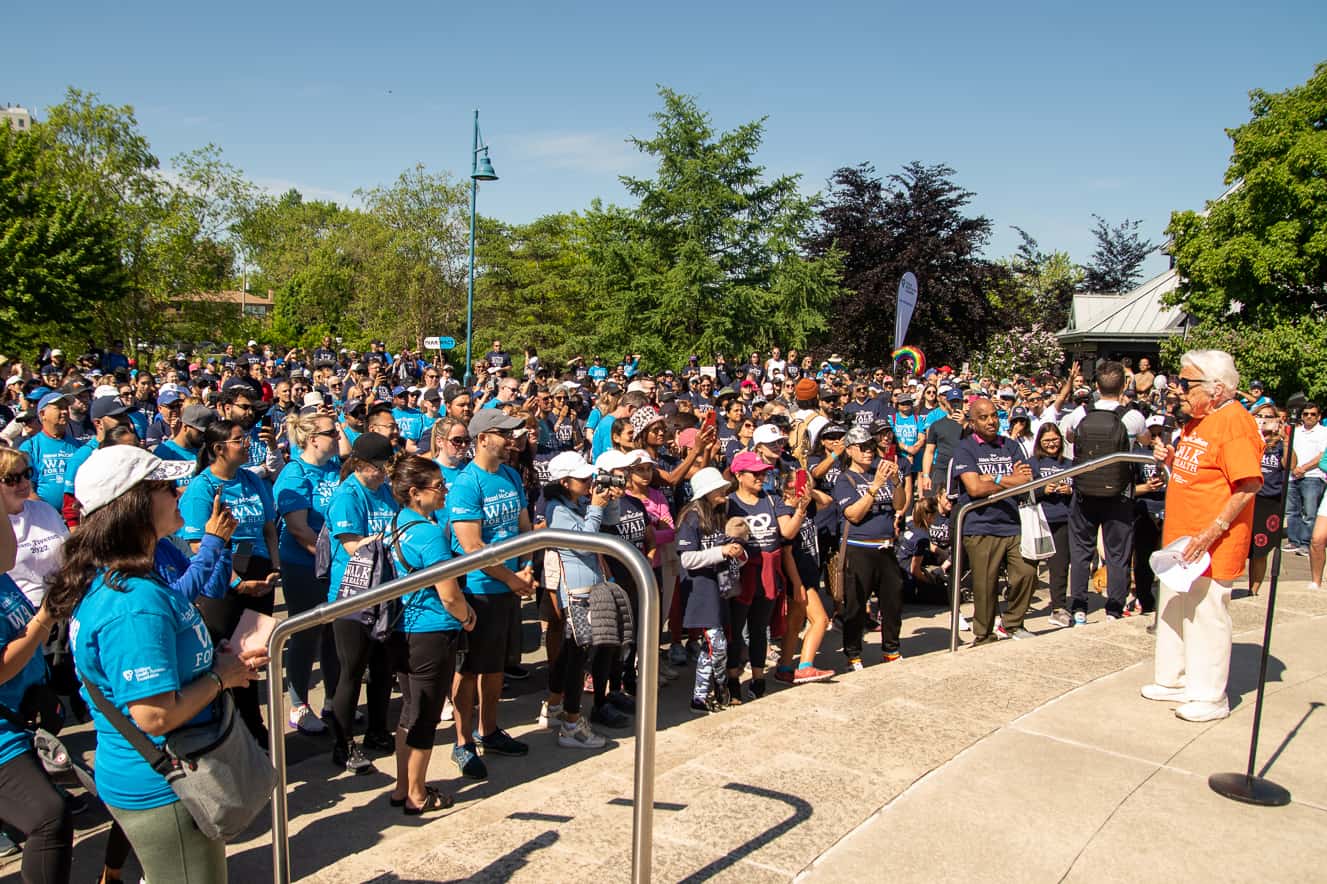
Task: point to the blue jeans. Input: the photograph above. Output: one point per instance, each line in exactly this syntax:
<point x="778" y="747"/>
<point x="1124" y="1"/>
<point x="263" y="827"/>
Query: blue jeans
<point x="1302" y="500"/>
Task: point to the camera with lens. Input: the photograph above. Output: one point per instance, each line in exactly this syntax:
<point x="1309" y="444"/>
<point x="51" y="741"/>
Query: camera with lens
<point x="605" y="481"/>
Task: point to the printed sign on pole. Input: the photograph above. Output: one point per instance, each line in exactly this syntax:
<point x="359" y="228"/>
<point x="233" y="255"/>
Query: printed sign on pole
<point x="907" y="301"/>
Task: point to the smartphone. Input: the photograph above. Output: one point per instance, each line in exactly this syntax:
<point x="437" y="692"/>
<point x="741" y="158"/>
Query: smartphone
<point x="711" y="420"/>
<point x="239" y="560"/>
<point x="800" y="480"/>
<point x="265" y="422"/>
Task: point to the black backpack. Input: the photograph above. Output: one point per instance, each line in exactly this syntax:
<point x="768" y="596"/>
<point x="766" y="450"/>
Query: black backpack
<point x="1102" y="432"/>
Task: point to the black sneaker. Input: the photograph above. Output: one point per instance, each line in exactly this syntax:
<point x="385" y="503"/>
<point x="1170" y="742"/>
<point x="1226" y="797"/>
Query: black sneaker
<point x="700" y="707"/>
<point x="380" y="742"/>
<point x="516" y="673"/>
<point x="501" y="743"/>
<point x="622" y="701"/>
<point x="352" y="758"/>
<point x="610" y="716"/>
<point x="758" y="687"/>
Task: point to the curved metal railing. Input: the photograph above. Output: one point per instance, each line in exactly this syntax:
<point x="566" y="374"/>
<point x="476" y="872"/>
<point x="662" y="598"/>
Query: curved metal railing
<point x="647" y="638"/>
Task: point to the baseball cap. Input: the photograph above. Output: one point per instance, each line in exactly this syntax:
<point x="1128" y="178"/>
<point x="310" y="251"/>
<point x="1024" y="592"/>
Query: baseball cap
<point x="489" y="419"/>
<point x="612" y="459"/>
<point x="372" y="447"/>
<point x="858" y="436"/>
<point x="1155" y="420"/>
<point x="767" y="434"/>
<point x="432" y="394"/>
<point x="53" y="397"/>
<point x="837" y="431"/>
<point x="312" y="399"/>
<point x="398" y="391"/>
<point x="108" y="406"/>
<point x="57" y="352"/>
<point x="749" y="462"/>
<point x="167" y="397"/>
<point x="197" y="416"/>
<point x="1019" y="414"/>
<point x="110" y="472"/>
<point x="252" y="344"/>
<point x="569" y="465"/>
<point x="954" y="395"/>
<point x="105" y="390"/>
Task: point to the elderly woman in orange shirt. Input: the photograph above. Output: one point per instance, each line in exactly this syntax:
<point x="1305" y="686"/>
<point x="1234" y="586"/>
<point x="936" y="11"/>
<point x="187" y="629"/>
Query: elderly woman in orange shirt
<point x="1216" y="470"/>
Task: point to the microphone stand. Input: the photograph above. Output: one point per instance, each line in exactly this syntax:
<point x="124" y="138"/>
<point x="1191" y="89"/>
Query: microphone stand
<point x="1247" y="787"/>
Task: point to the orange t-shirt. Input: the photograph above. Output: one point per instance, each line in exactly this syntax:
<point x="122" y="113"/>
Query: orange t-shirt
<point x="1212" y="454"/>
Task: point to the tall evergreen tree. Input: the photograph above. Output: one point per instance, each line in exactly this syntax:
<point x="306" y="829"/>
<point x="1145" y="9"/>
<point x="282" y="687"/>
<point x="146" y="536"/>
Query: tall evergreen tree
<point x="1117" y="262"/>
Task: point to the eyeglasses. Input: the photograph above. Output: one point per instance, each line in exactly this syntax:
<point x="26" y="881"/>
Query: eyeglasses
<point x="23" y="475"/>
<point x="1308" y="414"/>
<point x="331" y="434"/>
<point x="436" y="486"/>
<point x="459" y="440"/>
<point x="1186" y="383"/>
<point x="384" y="429"/>
<point x="240" y="441"/>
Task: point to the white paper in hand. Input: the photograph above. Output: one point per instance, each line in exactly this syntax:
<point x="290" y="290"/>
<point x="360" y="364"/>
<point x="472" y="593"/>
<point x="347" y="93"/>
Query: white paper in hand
<point x="1168" y="564"/>
<point x="252" y="632"/>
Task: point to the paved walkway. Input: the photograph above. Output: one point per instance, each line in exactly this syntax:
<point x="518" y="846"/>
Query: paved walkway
<point x="1033" y="760"/>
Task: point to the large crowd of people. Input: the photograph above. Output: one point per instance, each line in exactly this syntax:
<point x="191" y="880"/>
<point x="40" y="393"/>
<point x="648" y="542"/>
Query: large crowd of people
<point x="154" y="507"/>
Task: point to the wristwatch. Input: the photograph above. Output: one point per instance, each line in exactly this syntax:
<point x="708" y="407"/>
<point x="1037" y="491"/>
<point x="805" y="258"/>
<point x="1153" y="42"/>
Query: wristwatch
<point x="1221" y="523"/>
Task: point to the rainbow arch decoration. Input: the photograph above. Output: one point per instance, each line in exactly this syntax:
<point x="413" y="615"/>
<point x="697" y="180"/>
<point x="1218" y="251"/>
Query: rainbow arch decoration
<point x="914" y="355"/>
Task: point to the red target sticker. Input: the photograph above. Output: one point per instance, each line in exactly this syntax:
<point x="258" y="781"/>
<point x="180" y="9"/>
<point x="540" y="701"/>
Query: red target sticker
<point x="1273" y="522"/>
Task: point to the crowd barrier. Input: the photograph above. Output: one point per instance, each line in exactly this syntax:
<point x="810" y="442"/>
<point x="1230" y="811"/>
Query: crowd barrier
<point x="1014" y="491"/>
<point x="647" y="638"/>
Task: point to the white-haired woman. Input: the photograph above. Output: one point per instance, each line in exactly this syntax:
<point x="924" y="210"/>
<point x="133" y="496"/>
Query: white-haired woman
<point x="1216" y="471"/>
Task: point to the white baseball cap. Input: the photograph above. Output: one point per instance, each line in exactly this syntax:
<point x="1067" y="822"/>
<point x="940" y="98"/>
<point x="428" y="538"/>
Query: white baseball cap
<point x="569" y="465"/>
<point x="105" y="391"/>
<point x="110" y="472"/>
<point x="767" y="434"/>
<point x="612" y="459"/>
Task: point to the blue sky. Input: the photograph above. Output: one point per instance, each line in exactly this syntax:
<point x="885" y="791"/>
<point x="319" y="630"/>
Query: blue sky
<point x="1049" y="112"/>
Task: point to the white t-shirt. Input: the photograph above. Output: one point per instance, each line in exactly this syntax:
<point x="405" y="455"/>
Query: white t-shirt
<point x="41" y="532"/>
<point x="1134" y="422"/>
<point x="1309" y="445"/>
<point x="775" y="365"/>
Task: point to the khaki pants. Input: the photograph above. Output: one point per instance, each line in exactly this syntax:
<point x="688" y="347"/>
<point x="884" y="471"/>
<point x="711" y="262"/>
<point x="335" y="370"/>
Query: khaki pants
<point x="1193" y="639"/>
<point x="985" y="555"/>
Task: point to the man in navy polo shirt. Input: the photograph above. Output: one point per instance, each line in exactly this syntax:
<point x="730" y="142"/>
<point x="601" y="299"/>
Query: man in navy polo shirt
<point x="984" y="463"/>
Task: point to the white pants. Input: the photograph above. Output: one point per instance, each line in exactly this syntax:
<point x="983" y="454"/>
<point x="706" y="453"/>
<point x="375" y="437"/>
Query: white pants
<point x="1193" y="639"/>
<point x="671" y="564"/>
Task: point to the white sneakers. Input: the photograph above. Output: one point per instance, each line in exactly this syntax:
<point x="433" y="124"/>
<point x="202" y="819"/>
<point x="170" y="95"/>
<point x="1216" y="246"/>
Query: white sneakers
<point x="1163" y="693"/>
<point x="1200" y="710"/>
<point x="550" y="716"/>
<point x="578" y="735"/>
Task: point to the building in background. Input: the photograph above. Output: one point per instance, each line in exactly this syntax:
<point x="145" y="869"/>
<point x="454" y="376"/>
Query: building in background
<point x="17" y="117"/>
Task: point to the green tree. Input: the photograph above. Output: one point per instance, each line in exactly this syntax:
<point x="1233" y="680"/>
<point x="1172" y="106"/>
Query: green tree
<point x="1253" y="265"/>
<point x="1117" y="262"/>
<point x="1288" y="356"/>
<point x="1038" y="287"/>
<point x="58" y="257"/>
<point x="710" y="258"/>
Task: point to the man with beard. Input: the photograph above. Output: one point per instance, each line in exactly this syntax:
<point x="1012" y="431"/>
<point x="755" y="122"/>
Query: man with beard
<point x="49" y="450"/>
<point x="80" y="428"/>
<point x="188" y="437"/>
<point x="239" y="404"/>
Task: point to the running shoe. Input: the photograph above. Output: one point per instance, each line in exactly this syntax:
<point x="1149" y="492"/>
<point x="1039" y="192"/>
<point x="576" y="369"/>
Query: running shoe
<point x="469" y="762"/>
<point x="578" y="735"/>
<point x="677" y="655"/>
<point x="302" y="719"/>
<point x="808" y="674"/>
<point x="550" y="716"/>
<point x="352" y="758"/>
<point x="501" y="743"/>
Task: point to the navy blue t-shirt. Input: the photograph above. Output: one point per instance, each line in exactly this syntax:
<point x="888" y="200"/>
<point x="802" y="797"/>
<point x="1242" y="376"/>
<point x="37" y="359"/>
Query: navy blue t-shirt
<point x="997" y="458"/>
<point x="1273" y="470"/>
<point x="1055" y="506"/>
<point x="879" y="521"/>
<point x="762" y="519"/>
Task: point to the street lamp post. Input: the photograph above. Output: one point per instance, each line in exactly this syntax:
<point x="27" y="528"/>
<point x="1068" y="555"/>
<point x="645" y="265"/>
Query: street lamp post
<point x="480" y="170"/>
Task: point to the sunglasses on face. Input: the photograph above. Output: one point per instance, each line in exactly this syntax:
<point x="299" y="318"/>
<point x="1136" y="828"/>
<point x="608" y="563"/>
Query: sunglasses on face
<point x="1186" y="383"/>
<point x="459" y="440"/>
<point x="330" y="434"/>
<point x="23" y="475"/>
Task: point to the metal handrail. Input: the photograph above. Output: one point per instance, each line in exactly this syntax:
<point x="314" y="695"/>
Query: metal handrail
<point x="647" y="638"/>
<point x="956" y="534"/>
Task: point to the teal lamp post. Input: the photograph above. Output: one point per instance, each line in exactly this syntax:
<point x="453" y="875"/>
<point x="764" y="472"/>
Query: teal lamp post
<point x="480" y="170"/>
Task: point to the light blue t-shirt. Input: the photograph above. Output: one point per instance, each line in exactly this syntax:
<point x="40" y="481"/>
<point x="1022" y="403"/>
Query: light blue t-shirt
<point x="257" y="450"/>
<point x="76" y="460"/>
<point x="249" y="499"/>
<point x="15" y="612"/>
<point x="169" y="450"/>
<point x="49" y="458"/>
<point x="495" y="499"/>
<point x="303" y="486"/>
<point x="134" y="641"/>
<point x="355" y="509"/>
<point x="410" y="421"/>
<point x="603" y="437"/>
<point x="421" y="542"/>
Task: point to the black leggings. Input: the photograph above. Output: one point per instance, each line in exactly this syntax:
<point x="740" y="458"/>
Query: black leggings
<point x="1146" y="540"/>
<point x="755" y="617"/>
<point x="567" y="675"/>
<point x="29" y="803"/>
<point x="1059" y="565"/>
<point x="356" y="652"/>
<point x="221" y="617"/>
<point x="425" y="662"/>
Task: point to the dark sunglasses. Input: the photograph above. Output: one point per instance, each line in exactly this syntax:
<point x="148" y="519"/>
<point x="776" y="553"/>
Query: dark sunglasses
<point x="330" y="434"/>
<point x="23" y="475"/>
<point x="459" y="440"/>
<point x="1186" y="383"/>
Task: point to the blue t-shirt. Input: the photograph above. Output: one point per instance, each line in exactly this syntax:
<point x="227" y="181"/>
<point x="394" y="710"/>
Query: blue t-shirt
<point x="135" y="641"/>
<point x="169" y="450"/>
<point x="303" y="486"/>
<point x="497" y="501"/>
<point x="879" y="521"/>
<point x="762" y="520"/>
<point x="603" y="437"/>
<point x="257" y="450"/>
<point x="76" y="460"/>
<point x="49" y="458"/>
<point x="1055" y="506"/>
<point x="907" y="430"/>
<point x="420" y="543"/>
<point x="973" y="455"/>
<point x="249" y="499"/>
<point x="16" y="611"/>
<point x="410" y="421"/>
<point x="914" y="542"/>
<point x="355" y="509"/>
<point x="700" y="587"/>
<point x="862" y="414"/>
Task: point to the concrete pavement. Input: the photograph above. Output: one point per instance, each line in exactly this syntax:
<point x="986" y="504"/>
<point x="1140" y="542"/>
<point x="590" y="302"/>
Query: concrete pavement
<point x="1033" y="760"/>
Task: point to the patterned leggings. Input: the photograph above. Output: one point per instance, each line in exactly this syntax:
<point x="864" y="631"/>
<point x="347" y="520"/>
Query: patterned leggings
<point x="713" y="660"/>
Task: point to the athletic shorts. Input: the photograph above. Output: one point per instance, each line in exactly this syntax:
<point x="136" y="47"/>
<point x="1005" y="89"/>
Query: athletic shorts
<point x="489" y="640"/>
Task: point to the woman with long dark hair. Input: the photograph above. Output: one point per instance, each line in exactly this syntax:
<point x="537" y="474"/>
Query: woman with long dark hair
<point x="361" y="511"/>
<point x="145" y="648"/>
<point x="255" y="559"/>
<point x="1048" y="460"/>
<point x="432" y="620"/>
